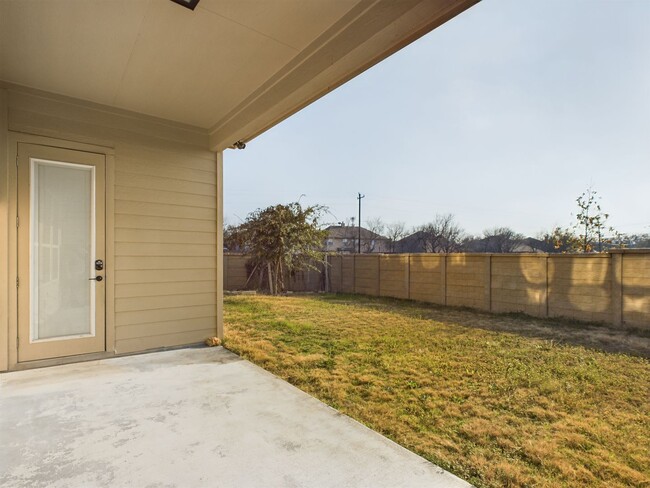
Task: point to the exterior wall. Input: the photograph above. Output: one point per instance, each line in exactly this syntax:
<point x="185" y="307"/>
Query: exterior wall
<point x="165" y="248"/>
<point x="162" y="209"/>
<point x="5" y="280"/>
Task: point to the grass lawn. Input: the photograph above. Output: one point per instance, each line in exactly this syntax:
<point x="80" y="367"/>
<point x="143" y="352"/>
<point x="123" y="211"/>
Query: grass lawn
<point x="497" y="400"/>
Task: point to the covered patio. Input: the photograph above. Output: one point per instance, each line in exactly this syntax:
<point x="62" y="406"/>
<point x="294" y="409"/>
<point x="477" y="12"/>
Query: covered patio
<point x="188" y="417"/>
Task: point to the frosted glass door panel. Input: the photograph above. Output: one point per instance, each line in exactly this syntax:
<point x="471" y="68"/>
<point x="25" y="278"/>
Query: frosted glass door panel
<point x="62" y="250"/>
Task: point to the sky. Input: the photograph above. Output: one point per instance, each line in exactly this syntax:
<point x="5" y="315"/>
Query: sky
<point x="503" y="116"/>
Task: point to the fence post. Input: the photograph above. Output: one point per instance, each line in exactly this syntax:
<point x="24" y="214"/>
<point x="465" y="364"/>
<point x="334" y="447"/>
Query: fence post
<point x="378" y="274"/>
<point x="408" y="276"/>
<point x="617" y="287"/>
<point x="224" y="264"/>
<point x="443" y="278"/>
<point x="542" y="305"/>
<point x="487" y="277"/>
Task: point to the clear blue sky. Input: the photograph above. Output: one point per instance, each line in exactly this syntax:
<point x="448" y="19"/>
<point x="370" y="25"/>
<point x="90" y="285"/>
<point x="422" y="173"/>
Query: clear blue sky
<point x="502" y="116"/>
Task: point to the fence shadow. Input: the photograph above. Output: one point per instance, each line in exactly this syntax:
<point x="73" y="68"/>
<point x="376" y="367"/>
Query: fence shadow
<point x="602" y="337"/>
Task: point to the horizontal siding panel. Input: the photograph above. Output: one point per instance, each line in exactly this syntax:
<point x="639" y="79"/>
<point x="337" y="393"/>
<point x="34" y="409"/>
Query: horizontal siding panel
<point x="163" y="315"/>
<point x="164" y="262"/>
<point x="164" y="275"/>
<point x="187" y="158"/>
<point x="164" y="210"/>
<point x="164" y="223"/>
<point x="166" y="301"/>
<point x="165" y="184"/>
<point x="154" y="249"/>
<point x="168" y="340"/>
<point x="169" y="197"/>
<point x="166" y="171"/>
<point x="164" y="288"/>
<point x="164" y="328"/>
<point x="164" y="236"/>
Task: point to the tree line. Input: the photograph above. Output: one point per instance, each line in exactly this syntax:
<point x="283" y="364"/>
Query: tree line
<point x="590" y="232"/>
<point x="286" y="238"/>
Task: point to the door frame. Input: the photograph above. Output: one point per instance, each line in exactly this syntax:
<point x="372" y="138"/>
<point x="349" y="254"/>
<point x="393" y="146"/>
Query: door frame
<point x="14" y="138"/>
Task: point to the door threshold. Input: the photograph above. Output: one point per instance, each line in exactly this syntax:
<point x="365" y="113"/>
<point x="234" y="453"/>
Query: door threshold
<point x="82" y="358"/>
<point x="45" y="363"/>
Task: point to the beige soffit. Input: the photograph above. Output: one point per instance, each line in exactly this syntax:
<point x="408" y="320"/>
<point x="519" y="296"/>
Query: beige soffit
<point x="232" y="68"/>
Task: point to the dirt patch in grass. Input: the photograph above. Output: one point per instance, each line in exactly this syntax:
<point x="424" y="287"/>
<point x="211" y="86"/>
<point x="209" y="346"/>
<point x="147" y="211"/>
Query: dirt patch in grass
<point x="497" y="400"/>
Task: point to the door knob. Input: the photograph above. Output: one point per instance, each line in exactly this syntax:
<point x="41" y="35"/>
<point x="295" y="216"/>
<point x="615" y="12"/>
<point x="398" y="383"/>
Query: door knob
<point x="97" y="278"/>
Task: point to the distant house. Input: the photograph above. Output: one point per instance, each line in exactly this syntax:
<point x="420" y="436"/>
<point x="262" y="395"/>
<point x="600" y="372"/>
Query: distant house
<point x="345" y="239"/>
<point x="422" y="241"/>
<point x="497" y="244"/>
<point x="413" y="243"/>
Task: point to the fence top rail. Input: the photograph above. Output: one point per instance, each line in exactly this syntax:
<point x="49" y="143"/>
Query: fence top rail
<point x="503" y="254"/>
<point x="477" y="254"/>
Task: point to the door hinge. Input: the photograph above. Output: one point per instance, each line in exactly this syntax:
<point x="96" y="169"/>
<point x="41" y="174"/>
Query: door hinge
<point x="17" y="282"/>
<point x="17" y="221"/>
<point x="16" y="160"/>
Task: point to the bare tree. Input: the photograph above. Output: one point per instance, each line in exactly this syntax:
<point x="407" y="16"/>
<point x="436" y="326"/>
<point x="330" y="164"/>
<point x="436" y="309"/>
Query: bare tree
<point x="394" y="232"/>
<point x="376" y="225"/>
<point x="441" y="235"/>
<point x="501" y="240"/>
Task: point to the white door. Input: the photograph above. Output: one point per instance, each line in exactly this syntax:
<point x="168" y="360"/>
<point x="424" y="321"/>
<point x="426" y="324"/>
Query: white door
<point x="61" y="292"/>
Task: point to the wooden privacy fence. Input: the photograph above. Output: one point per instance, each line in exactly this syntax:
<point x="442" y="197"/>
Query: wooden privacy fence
<point x="610" y="287"/>
<point x="236" y="272"/>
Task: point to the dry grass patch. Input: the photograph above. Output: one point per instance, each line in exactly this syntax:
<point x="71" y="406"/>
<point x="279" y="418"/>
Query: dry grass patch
<point x="460" y="388"/>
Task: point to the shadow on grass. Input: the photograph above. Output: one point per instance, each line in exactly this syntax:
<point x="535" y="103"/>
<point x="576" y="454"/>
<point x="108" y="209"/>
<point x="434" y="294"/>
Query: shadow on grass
<point x="598" y="336"/>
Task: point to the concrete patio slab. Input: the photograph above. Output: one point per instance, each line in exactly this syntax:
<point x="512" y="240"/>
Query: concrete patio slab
<point x="188" y="418"/>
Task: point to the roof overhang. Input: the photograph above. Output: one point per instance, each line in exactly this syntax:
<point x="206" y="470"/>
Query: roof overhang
<point x="231" y="69"/>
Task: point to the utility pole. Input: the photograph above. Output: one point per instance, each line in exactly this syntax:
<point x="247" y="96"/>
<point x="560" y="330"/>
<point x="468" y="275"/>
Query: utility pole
<point x="359" y="197"/>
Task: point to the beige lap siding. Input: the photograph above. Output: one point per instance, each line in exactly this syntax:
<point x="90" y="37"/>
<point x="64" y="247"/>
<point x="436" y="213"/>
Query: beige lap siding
<point x="165" y="248"/>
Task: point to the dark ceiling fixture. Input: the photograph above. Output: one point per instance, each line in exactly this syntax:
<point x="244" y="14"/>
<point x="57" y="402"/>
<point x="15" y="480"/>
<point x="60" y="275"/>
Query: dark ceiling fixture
<point x="191" y="4"/>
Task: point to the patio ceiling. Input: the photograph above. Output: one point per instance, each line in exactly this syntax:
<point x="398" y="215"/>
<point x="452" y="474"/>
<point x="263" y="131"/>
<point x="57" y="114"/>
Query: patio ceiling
<point x="232" y="68"/>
